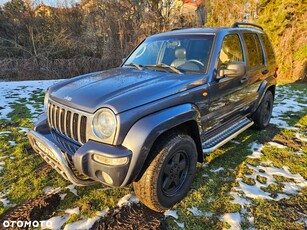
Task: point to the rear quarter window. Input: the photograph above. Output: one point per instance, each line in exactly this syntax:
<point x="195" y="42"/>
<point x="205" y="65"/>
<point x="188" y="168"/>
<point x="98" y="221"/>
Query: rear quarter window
<point x="269" y="51"/>
<point x="254" y="50"/>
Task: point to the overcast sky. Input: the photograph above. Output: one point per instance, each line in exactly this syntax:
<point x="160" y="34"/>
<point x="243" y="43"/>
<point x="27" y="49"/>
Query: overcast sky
<point x="49" y="2"/>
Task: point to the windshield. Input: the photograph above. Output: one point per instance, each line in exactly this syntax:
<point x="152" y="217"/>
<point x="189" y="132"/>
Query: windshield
<point x="186" y="53"/>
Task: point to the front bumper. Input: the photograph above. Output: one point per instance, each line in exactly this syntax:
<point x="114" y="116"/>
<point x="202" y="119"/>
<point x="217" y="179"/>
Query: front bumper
<point x="79" y="166"/>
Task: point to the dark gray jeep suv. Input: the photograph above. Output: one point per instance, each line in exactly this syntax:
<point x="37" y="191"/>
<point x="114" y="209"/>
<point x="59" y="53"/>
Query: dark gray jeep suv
<point x="177" y="96"/>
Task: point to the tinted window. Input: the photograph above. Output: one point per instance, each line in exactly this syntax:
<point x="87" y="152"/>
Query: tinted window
<point x="268" y="49"/>
<point x="231" y="50"/>
<point x="254" y="51"/>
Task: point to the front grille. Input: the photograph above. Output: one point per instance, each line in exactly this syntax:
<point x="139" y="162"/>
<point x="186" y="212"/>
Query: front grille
<point x="65" y="145"/>
<point x="67" y="122"/>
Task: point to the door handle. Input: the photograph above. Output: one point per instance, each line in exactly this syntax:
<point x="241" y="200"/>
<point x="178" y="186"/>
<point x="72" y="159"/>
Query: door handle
<point x="244" y="79"/>
<point x="264" y="72"/>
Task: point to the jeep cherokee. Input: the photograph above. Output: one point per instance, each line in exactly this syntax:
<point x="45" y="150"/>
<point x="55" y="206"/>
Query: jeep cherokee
<point x="179" y="95"/>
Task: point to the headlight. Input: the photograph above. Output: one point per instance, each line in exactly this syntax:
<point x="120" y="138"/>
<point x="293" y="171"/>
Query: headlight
<point x="46" y="100"/>
<point x="104" y="123"/>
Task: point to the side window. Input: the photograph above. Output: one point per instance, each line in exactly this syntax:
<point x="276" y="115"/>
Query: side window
<point x="268" y="49"/>
<point x="231" y="50"/>
<point x="254" y="51"/>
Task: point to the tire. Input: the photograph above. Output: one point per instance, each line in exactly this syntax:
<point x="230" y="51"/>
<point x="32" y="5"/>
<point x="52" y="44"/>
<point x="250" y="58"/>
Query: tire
<point x="263" y="114"/>
<point x="169" y="176"/>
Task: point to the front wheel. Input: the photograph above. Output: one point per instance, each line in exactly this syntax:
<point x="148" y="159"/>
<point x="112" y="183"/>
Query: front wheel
<point x="263" y="114"/>
<point x="168" y="178"/>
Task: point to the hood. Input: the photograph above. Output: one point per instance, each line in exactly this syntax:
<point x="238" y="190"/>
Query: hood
<point x="121" y="88"/>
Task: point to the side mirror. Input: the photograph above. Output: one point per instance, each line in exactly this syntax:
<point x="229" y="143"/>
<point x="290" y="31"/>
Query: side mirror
<point x="233" y="69"/>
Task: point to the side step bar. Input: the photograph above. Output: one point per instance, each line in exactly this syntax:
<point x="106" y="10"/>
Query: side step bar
<point x="226" y="135"/>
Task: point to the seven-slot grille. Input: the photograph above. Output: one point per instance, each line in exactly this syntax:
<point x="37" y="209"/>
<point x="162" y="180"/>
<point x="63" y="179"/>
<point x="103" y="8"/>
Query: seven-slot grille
<point x="67" y="122"/>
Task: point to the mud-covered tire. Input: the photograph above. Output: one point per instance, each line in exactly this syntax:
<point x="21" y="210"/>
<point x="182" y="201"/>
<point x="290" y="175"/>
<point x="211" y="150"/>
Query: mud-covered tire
<point x="263" y="114"/>
<point x="169" y="176"/>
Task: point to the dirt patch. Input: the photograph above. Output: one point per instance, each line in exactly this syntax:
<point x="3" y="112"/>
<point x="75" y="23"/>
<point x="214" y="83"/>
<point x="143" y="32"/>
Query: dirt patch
<point x="135" y="216"/>
<point x="295" y="204"/>
<point x="43" y="169"/>
<point x="6" y="125"/>
<point x="291" y="143"/>
<point x="273" y="134"/>
<point x="37" y="209"/>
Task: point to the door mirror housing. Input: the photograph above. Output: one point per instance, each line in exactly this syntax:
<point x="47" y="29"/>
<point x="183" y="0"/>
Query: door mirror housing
<point x="233" y="69"/>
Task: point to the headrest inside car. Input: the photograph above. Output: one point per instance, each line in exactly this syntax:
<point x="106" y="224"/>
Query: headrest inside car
<point x="181" y="53"/>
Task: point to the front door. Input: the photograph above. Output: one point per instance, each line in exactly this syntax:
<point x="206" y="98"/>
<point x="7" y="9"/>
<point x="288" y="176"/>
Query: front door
<point x="225" y="93"/>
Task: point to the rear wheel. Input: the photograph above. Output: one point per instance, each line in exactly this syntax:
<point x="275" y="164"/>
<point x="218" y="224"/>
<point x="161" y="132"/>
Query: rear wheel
<point x="168" y="178"/>
<point x="263" y="114"/>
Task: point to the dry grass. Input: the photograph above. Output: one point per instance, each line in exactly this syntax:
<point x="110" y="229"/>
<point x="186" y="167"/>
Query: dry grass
<point x="43" y="68"/>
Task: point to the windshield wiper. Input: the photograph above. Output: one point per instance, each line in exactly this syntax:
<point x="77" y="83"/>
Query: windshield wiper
<point x="139" y="67"/>
<point x="164" y="66"/>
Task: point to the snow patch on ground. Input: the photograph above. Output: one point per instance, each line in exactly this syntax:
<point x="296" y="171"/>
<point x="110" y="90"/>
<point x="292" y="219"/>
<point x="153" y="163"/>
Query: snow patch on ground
<point x="2" y="163"/>
<point x="127" y="200"/>
<point x="299" y="152"/>
<point x="217" y="170"/>
<point x="235" y="142"/>
<point x="86" y="223"/>
<point x="300" y="137"/>
<point x="239" y="199"/>
<point x="196" y="212"/>
<point x="12" y="143"/>
<point x="63" y="195"/>
<point x="277" y="145"/>
<point x="55" y="222"/>
<point x="50" y="189"/>
<point x="256" y="149"/>
<point x="72" y="189"/>
<point x="285" y="102"/>
<point x="255" y="191"/>
<point x="233" y="219"/>
<point x="172" y="213"/>
<point x="23" y="130"/>
<point x="6" y="202"/>
<point x="11" y="91"/>
<point x="180" y="225"/>
<point x="5" y="133"/>
<point x="72" y="211"/>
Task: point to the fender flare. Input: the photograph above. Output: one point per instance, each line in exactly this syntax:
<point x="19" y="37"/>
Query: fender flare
<point x="145" y="131"/>
<point x="265" y="85"/>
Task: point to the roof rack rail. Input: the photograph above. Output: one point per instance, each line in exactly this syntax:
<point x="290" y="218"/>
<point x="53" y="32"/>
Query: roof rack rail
<point x="177" y="28"/>
<point x="238" y="24"/>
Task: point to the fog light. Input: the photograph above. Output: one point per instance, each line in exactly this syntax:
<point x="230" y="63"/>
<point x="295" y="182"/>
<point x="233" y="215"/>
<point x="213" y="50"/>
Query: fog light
<point x="107" y="178"/>
<point x="110" y="161"/>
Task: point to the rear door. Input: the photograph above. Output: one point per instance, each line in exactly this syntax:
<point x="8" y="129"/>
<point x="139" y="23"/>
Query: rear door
<point x="255" y="67"/>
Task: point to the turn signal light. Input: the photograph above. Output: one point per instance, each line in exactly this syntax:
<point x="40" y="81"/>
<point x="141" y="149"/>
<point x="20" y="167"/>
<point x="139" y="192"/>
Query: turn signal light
<point x="109" y="160"/>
